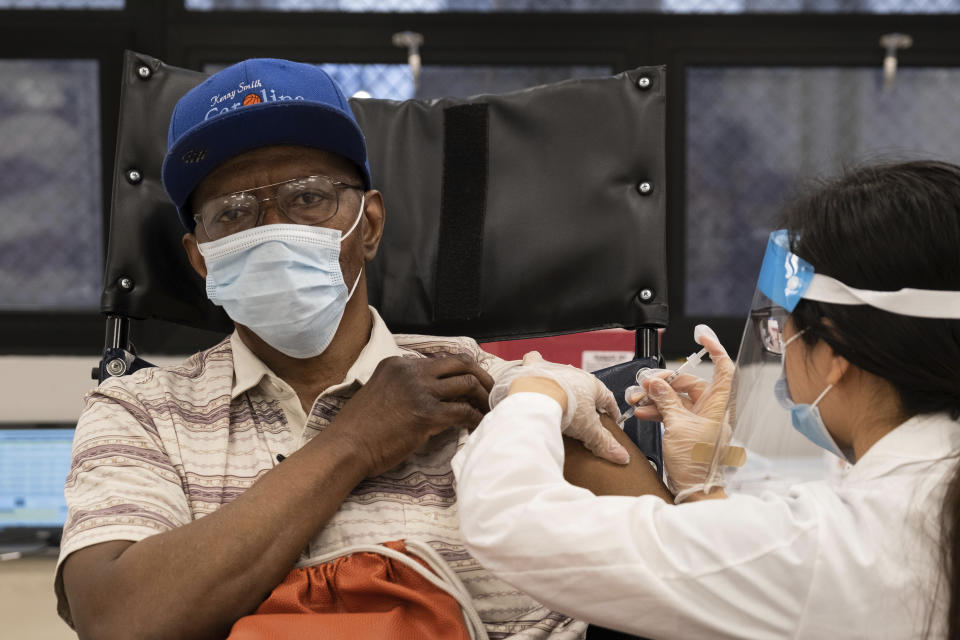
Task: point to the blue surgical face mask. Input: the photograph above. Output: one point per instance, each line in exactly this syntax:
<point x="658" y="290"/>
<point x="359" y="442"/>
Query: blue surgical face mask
<point x="283" y="281"/>
<point x="805" y="417"/>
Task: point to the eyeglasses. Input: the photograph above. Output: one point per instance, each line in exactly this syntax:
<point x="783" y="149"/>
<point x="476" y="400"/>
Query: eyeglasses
<point x="769" y="323"/>
<point x="310" y="200"/>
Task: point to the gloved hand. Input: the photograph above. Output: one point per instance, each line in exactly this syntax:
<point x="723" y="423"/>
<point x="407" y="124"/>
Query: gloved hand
<point x="693" y="423"/>
<point x="587" y="398"/>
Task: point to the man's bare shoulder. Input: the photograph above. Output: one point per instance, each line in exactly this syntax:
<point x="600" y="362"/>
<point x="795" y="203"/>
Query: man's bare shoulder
<point x="636" y="478"/>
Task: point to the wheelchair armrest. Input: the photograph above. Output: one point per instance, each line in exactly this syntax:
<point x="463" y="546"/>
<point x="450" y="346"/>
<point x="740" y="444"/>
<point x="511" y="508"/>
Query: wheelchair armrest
<point x="118" y="362"/>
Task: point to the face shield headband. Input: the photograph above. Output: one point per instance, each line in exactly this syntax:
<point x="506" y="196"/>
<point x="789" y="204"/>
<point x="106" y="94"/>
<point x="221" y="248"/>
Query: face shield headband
<point x="786" y="278"/>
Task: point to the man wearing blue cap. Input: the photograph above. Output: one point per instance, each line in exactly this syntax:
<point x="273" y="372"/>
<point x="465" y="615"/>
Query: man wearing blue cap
<point x="182" y="518"/>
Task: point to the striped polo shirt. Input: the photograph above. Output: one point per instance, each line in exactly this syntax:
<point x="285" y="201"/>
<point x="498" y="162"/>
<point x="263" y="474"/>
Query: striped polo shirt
<point x="167" y="445"/>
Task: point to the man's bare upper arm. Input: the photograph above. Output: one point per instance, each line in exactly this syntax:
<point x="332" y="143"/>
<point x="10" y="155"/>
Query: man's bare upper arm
<point x="603" y="478"/>
<point x="78" y="576"/>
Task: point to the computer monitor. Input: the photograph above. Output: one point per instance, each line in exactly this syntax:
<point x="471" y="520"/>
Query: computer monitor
<point x="34" y="462"/>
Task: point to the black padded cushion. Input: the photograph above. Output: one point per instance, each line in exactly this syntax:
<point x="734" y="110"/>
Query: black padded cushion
<point x="507" y="215"/>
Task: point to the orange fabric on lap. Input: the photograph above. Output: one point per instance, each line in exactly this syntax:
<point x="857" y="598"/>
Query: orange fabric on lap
<point x="362" y="595"/>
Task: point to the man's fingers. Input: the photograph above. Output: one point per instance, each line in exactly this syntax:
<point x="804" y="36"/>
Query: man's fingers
<point x="447" y="365"/>
<point x="458" y="364"/>
<point x="464" y="387"/>
<point x="485" y="379"/>
<point x="463" y="414"/>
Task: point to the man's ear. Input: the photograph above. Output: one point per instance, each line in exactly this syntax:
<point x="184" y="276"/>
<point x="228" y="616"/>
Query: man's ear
<point x="372" y="227"/>
<point x="193" y="254"/>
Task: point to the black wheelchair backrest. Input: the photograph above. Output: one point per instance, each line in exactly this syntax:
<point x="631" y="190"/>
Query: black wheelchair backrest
<point x="525" y="214"/>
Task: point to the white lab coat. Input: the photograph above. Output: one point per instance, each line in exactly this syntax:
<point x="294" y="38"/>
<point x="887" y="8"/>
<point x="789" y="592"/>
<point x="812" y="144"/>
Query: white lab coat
<point x="858" y="560"/>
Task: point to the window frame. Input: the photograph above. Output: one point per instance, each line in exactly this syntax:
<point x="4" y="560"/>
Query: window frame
<point x="191" y="39"/>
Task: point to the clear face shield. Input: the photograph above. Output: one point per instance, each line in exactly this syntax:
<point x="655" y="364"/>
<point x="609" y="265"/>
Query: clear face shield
<point x="776" y="453"/>
<point x="786" y="442"/>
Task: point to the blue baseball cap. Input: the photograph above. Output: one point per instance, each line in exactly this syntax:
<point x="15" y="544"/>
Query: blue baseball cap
<point x="256" y="103"/>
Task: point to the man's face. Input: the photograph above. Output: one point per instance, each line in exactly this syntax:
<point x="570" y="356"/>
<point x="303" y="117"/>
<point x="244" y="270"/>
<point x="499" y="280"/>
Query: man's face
<point x="280" y="164"/>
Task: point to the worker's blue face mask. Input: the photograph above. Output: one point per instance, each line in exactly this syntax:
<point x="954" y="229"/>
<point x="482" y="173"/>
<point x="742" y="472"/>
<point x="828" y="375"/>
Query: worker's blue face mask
<point x="805" y="417"/>
<point x="283" y="282"/>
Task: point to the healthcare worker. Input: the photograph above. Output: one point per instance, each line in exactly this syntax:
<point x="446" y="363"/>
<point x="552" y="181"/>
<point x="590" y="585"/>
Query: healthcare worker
<point x="855" y="329"/>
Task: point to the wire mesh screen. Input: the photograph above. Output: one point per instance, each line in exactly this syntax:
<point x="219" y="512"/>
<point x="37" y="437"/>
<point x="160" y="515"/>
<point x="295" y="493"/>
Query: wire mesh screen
<point x="756" y="136"/>
<point x="395" y="82"/>
<point x="653" y="6"/>
<point x="464" y="81"/>
<point x="384" y="81"/>
<point x="50" y="185"/>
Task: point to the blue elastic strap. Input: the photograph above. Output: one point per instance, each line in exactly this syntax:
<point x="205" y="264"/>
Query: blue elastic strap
<point x="784" y="276"/>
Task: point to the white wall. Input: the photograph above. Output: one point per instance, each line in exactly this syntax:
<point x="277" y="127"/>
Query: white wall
<point x="49" y="389"/>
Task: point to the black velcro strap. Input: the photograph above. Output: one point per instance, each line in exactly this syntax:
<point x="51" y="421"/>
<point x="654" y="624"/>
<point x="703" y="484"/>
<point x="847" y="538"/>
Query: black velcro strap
<point x="463" y="204"/>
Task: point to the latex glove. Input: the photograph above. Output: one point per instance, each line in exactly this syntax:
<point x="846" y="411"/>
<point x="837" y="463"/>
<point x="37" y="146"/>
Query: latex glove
<point x="691" y="419"/>
<point x="587" y="398"/>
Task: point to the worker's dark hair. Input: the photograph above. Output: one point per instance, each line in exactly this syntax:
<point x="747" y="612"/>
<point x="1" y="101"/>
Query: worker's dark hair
<point x="887" y="227"/>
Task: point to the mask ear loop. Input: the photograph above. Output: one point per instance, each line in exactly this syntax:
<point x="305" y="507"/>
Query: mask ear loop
<point x="357" y="221"/>
<point x="355" y="283"/>
<point x="344" y="237"/>
<point x="820" y="397"/>
<point x="791" y="339"/>
<point x="785" y="344"/>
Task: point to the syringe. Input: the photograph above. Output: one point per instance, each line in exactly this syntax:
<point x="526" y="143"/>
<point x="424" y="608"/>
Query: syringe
<point x="692" y="360"/>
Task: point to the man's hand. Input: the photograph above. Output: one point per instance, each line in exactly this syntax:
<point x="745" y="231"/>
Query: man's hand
<point x="406" y="402"/>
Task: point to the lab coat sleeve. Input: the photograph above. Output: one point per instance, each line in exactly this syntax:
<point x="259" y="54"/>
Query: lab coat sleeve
<point x="739" y="567"/>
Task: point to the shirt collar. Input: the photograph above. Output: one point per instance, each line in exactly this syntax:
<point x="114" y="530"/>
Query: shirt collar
<point x="249" y="371"/>
<point x="922" y="438"/>
<point x="379" y="347"/>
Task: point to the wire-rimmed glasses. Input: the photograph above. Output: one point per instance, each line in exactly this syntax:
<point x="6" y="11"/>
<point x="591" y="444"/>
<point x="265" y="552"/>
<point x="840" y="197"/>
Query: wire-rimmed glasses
<point x="310" y="200"/>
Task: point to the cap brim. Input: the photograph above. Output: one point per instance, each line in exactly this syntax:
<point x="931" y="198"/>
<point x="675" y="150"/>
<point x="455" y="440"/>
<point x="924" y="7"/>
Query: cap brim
<point x="294" y="122"/>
